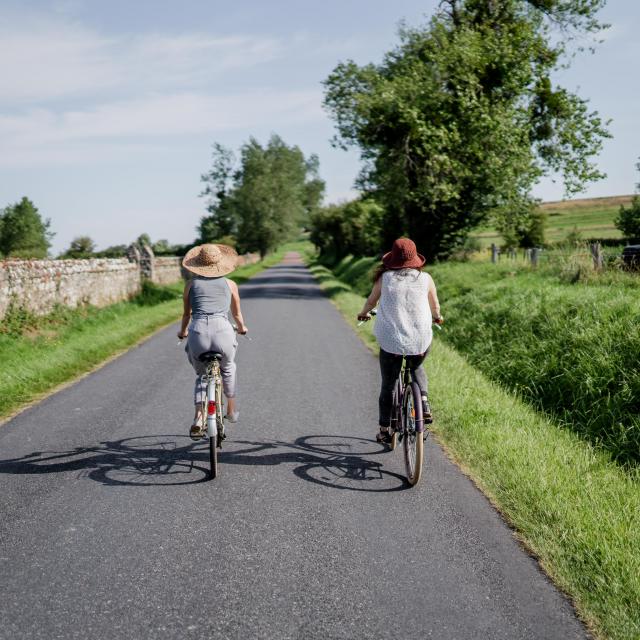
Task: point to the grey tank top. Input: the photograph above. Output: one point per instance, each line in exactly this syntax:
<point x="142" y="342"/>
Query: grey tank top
<point x="209" y="296"/>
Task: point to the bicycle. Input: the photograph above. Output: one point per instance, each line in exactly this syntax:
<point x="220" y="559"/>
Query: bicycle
<point x="211" y="409"/>
<point x="407" y="423"/>
<point x="407" y="420"/>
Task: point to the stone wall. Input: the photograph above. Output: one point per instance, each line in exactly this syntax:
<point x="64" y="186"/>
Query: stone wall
<point x="166" y="270"/>
<point x="38" y="285"/>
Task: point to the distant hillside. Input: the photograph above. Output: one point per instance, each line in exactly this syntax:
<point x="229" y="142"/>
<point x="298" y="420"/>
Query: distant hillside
<point x="586" y="203"/>
<point x="592" y="218"/>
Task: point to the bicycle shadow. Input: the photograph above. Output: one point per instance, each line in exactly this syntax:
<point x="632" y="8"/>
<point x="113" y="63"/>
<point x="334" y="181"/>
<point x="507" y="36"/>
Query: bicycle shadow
<point x="340" y="462"/>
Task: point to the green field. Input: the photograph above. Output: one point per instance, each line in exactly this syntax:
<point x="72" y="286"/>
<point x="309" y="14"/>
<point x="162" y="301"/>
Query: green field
<point x="593" y="218"/>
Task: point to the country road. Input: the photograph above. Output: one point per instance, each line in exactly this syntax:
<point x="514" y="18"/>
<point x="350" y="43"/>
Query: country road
<point x="109" y="529"/>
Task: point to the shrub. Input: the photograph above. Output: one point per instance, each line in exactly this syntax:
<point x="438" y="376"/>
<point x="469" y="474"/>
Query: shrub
<point x="628" y="220"/>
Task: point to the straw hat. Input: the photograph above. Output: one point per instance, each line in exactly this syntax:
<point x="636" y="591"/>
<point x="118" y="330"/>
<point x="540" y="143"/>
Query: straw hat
<point x="211" y="260"/>
<point x="403" y="255"/>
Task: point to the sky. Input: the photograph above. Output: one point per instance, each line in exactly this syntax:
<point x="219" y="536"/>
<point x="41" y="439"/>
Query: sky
<point x="108" y="110"/>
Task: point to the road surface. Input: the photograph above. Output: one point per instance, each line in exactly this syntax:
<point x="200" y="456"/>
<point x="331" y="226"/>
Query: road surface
<point x="109" y="529"/>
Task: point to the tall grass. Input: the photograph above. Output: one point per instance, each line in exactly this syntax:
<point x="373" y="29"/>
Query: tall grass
<point x="571" y="350"/>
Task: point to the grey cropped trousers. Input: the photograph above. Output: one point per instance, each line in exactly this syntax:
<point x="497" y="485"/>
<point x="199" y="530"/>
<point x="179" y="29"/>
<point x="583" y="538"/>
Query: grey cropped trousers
<point x="212" y="333"/>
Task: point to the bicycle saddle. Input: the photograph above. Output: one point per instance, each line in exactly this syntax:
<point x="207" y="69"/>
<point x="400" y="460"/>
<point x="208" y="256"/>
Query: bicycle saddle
<point x="210" y="356"/>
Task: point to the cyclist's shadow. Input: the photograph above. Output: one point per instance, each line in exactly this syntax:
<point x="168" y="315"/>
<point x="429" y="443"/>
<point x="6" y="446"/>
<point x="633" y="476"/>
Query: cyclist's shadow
<point x="341" y="462"/>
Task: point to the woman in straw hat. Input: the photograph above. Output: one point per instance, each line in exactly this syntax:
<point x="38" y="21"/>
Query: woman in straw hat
<point x="408" y="304"/>
<point x="208" y="298"/>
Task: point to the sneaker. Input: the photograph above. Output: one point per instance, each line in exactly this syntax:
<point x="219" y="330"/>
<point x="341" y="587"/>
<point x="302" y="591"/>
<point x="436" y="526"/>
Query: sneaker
<point x="197" y="431"/>
<point x="426" y="411"/>
<point x="233" y="417"/>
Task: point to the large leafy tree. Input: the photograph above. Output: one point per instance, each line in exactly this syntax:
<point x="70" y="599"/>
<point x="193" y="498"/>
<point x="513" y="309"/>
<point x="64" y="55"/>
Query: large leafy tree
<point x="462" y="118"/>
<point x="23" y="232"/>
<point x="263" y="198"/>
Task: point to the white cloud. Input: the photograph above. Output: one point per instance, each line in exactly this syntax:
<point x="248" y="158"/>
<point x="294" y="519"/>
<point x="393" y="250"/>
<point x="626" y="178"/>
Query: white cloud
<point x="42" y="136"/>
<point x="45" y="58"/>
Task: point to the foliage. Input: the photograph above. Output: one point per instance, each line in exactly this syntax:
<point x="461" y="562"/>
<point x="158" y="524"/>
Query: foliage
<point x="23" y="232"/>
<point x="152" y="294"/>
<point x="351" y="228"/>
<point x="80" y="247"/>
<point x="261" y="199"/>
<point x="218" y="185"/>
<point x="115" y="251"/>
<point x="143" y="240"/>
<point x="628" y="220"/>
<point x="462" y="118"/>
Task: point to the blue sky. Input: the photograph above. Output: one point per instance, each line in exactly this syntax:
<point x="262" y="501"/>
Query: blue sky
<point x="108" y="110"/>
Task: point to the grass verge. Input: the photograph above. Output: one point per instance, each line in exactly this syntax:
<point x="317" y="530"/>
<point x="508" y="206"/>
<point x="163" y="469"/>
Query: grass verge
<point x="575" y="510"/>
<point x="38" y="354"/>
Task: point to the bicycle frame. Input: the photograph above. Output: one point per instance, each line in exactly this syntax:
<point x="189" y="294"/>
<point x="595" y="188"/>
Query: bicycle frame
<point x="214" y="379"/>
<point x="404" y="381"/>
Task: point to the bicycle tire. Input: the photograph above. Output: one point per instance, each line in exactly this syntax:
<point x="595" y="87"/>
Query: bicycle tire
<point x="396" y="415"/>
<point x="213" y="454"/>
<point x="413" y="443"/>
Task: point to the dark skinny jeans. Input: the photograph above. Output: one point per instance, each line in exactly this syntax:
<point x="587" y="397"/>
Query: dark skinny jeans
<point x="390" y="366"/>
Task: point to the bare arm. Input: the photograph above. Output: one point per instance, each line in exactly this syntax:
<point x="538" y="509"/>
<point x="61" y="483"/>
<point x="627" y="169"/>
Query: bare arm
<point x="371" y="301"/>
<point x="235" y="307"/>
<point x="434" y="302"/>
<point x="186" y="313"/>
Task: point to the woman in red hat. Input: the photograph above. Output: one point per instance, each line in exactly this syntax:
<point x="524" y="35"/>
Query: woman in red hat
<point x="407" y="306"/>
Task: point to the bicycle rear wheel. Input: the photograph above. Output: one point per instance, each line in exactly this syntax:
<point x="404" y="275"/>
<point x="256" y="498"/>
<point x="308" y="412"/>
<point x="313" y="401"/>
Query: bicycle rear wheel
<point x="212" y="433"/>
<point x="413" y="444"/>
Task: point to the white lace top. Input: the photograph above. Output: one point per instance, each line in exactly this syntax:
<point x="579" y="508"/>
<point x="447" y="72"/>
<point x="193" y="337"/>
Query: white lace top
<point x="403" y="323"/>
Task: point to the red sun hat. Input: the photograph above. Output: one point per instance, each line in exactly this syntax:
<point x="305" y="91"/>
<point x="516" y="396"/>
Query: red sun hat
<point x="403" y="255"/>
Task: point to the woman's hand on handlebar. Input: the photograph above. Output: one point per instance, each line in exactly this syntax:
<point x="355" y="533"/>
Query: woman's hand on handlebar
<point x="182" y="336"/>
<point x="242" y="330"/>
<point x="364" y="317"/>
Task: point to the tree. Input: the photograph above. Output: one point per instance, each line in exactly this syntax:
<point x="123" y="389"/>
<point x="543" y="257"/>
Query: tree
<point x="23" y="232"/>
<point x="351" y="228"/>
<point x="221" y="220"/>
<point x="461" y="119"/>
<point x="264" y="199"/>
<point x="80" y="247"/>
<point x="628" y="219"/>
<point x="143" y="240"/>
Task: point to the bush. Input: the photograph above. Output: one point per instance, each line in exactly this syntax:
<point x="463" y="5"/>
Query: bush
<point x="628" y="220"/>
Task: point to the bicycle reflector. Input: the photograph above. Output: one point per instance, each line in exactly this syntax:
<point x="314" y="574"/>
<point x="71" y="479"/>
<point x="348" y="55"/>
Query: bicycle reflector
<point x="211" y="408"/>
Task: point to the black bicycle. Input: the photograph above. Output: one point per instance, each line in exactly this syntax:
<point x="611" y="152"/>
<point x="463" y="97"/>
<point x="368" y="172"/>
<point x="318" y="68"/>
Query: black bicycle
<point x="407" y="423"/>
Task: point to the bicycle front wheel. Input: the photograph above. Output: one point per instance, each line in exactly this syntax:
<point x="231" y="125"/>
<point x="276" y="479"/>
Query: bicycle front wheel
<point x="413" y="443"/>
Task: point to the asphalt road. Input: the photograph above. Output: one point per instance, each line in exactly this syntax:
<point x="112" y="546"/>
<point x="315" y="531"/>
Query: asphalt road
<point x="109" y="529"/>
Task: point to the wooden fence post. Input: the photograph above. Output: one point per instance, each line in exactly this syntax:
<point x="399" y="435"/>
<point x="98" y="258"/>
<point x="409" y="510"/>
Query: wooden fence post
<point x="495" y="253"/>
<point x="535" y="252"/>
<point x="596" y="253"/>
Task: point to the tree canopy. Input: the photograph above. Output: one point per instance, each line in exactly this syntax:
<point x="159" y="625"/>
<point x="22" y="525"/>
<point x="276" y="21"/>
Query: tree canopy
<point x="23" y="232"/>
<point x="462" y="118"/>
<point x="80" y="247"/>
<point x="261" y="198"/>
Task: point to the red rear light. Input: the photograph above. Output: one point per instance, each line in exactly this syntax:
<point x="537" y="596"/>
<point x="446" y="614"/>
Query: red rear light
<point x="211" y="408"/>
